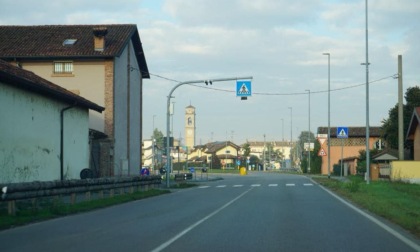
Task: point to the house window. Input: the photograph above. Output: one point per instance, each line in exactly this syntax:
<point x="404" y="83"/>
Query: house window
<point x="63" y="67"/>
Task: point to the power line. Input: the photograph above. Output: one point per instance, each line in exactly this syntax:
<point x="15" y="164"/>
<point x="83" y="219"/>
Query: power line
<point x="280" y="94"/>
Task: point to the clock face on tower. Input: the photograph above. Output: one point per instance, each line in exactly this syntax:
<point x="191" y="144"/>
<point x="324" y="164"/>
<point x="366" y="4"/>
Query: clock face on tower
<point x="189" y="132"/>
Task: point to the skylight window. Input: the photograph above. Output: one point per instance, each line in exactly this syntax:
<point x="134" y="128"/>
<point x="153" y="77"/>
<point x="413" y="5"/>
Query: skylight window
<point x="69" y="42"/>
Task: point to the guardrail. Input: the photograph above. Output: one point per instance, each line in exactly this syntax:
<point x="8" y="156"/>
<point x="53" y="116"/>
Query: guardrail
<point x="11" y="193"/>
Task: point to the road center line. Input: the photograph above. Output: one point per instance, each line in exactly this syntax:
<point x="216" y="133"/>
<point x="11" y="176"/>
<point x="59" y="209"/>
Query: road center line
<point x="188" y="229"/>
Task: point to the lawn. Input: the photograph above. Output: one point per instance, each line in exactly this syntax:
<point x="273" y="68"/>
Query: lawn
<point x="396" y="201"/>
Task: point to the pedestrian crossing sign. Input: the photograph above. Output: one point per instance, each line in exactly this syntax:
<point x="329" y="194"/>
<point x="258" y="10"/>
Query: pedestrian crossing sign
<point x="243" y="88"/>
<point x="342" y="132"/>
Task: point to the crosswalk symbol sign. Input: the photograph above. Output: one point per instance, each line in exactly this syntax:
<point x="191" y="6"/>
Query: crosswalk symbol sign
<point x="243" y="88"/>
<point x="342" y="132"/>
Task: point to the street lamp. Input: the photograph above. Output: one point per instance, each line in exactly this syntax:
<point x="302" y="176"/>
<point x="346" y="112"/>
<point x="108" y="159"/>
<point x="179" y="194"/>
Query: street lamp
<point x="309" y="130"/>
<point x="153" y="144"/>
<point x="168" y="104"/>
<point x="291" y="133"/>
<point x="329" y="128"/>
<point x="264" y="155"/>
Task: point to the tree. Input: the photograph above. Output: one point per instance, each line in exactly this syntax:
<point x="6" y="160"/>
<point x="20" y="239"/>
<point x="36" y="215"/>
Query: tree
<point x="247" y="149"/>
<point x="389" y="128"/>
<point x="158" y="136"/>
<point x="361" y="164"/>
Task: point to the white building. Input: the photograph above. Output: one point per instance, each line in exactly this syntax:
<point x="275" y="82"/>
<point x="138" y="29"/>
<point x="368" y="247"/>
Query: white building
<point x="44" y="129"/>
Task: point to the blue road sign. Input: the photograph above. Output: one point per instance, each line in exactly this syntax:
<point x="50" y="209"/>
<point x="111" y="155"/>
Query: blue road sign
<point x="342" y="132"/>
<point x="243" y="88"/>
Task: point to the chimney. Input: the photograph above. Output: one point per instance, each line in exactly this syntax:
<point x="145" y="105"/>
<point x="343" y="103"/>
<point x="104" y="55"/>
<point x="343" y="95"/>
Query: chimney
<point x="99" y="38"/>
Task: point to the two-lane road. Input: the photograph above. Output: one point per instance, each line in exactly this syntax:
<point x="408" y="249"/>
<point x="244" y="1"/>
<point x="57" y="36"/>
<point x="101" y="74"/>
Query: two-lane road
<point x="257" y="212"/>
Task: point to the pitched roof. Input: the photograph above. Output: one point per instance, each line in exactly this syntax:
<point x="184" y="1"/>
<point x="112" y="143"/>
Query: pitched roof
<point x="415" y="119"/>
<point x="353" y="131"/>
<point x="44" y="42"/>
<point x="20" y="78"/>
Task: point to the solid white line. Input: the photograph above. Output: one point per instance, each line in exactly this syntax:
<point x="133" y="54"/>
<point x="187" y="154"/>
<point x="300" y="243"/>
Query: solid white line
<point x="402" y="238"/>
<point x="188" y="229"/>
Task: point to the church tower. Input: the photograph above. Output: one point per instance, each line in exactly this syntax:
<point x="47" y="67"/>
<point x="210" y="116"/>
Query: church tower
<point x="190" y="126"/>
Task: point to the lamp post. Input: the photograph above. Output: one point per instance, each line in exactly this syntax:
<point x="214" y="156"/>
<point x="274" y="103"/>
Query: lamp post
<point x="264" y="155"/>
<point x="367" y="99"/>
<point x="282" y="129"/>
<point x="329" y="128"/>
<point x="309" y="130"/>
<point x="291" y="133"/>
<point x="168" y="104"/>
<point x="153" y="143"/>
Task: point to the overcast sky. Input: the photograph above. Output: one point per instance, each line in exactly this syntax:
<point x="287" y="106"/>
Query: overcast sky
<point x="278" y="42"/>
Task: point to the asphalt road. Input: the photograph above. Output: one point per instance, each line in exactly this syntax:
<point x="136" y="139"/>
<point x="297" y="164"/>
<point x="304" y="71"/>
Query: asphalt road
<point x="257" y="212"/>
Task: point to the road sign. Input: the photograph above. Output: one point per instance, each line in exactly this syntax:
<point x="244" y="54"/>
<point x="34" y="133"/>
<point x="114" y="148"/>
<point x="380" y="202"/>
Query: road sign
<point x="342" y="132"/>
<point x="238" y="162"/>
<point x="243" y="88"/>
<point x="321" y="141"/>
<point x="322" y="152"/>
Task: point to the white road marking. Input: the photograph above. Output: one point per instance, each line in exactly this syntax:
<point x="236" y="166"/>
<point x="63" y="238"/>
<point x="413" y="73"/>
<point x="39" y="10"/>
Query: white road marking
<point x="238" y="185"/>
<point x="273" y="185"/>
<point x="201" y="187"/>
<point x="290" y="184"/>
<point x="179" y="235"/>
<point x="221" y="186"/>
<point x="309" y="184"/>
<point x="255" y="185"/>
<point x="399" y="236"/>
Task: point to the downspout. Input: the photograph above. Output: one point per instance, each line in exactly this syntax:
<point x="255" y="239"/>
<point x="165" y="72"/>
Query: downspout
<point x="62" y="140"/>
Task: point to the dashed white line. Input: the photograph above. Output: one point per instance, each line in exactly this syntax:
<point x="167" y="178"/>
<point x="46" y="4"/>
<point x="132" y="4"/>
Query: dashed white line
<point x="273" y="185"/>
<point x="290" y="184"/>
<point x="308" y="184"/>
<point x="221" y="186"/>
<point x="238" y="185"/>
<point x="255" y="185"/>
<point x="202" y="187"/>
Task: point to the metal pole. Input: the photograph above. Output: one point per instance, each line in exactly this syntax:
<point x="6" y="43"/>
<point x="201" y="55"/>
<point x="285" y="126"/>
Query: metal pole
<point x="264" y="155"/>
<point x="309" y="130"/>
<point x="153" y="144"/>
<point x="291" y="135"/>
<point x="282" y="129"/>
<point x="329" y="127"/>
<point x="367" y="101"/>
<point x="168" y="104"/>
<point x="400" y="111"/>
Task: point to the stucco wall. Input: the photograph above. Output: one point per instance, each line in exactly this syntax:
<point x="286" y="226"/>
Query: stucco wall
<point x="408" y="171"/>
<point x="416" y="143"/>
<point x="30" y="137"/>
<point x="88" y="79"/>
<point x="127" y="124"/>
<point x="351" y="148"/>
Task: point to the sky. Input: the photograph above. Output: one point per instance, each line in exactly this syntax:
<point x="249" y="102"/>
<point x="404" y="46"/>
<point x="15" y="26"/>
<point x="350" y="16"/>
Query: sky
<point x="280" y="43"/>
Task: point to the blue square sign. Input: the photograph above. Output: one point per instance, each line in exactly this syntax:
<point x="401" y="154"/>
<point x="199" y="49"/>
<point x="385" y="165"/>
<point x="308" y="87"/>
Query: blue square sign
<point x="342" y="132"/>
<point x="243" y="88"/>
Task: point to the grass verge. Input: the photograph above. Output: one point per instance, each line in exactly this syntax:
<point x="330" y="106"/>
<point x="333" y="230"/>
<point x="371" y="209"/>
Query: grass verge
<point x="56" y="208"/>
<point x="396" y="201"/>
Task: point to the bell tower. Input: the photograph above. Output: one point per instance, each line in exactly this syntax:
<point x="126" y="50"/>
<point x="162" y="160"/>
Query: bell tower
<point x="190" y="126"/>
